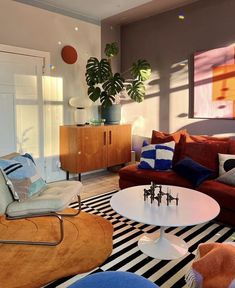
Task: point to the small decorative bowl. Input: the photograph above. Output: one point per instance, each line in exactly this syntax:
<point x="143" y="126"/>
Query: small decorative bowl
<point x="97" y="122"/>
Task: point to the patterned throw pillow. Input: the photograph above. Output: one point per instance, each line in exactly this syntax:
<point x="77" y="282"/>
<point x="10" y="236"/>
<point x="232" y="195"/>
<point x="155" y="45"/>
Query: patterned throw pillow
<point x="157" y="156"/>
<point x="226" y="163"/>
<point x="22" y="173"/>
<point x="162" y="137"/>
<point x="10" y="186"/>
<point x="228" y="177"/>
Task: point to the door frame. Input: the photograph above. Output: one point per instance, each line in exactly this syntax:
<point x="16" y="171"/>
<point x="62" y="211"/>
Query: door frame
<point x="45" y="59"/>
<point x="29" y="52"/>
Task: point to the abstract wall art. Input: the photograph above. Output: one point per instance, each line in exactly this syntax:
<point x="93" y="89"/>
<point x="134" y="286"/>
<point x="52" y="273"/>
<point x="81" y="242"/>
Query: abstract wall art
<point x="214" y="83"/>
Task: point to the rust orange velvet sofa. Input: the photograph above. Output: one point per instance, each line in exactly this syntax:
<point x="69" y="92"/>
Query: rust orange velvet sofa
<point x="202" y="149"/>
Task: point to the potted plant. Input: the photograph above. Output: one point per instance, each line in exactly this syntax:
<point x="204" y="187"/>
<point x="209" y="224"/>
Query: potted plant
<point x="104" y="85"/>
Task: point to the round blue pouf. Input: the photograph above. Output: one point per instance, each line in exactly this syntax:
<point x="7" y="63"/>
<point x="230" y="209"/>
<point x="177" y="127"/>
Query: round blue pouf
<point x="113" y="279"/>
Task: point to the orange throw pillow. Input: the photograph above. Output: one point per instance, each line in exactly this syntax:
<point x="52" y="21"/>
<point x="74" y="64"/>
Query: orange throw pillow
<point x="162" y="137"/>
<point x="203" y="138"/>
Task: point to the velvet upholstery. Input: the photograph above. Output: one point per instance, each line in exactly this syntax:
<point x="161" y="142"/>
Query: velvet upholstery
<point x="222" y="193"/>
<point x="204" y="151"/>
<point x="225" y="195"/>
<point x="158" y="136"/>
<point x="231" y="149"/>
<point x="137" y="176"/>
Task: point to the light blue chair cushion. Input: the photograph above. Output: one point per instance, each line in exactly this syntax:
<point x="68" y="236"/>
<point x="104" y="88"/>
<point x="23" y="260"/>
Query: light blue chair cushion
<point x="113" y="279"/>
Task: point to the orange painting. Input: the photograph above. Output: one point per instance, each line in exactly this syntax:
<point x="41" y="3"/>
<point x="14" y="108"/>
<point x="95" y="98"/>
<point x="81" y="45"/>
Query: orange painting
<point x="214" y="83"/>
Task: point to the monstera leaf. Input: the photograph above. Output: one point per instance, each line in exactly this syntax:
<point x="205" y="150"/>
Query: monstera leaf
<point x="111" y="49"/>
<point x="97" y="71"/>
<point x="105" y="86"/>
<point x="114" y="84"/>
<point x="106" y="99"/>
<point x="94" y="93"/>
<point x="136" y="91"/>
<point x="141" y="70"/>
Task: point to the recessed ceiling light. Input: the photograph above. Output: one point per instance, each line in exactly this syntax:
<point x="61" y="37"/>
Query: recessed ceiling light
<point x="76" y="28"/>
<point x="181" y="16"/>
<point x="52" y="67"/>
<point x="59" y="42"/>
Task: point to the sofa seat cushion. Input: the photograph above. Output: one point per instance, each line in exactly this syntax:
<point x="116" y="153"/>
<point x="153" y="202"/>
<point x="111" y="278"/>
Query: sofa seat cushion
<point x="55" y="197"/>
<point x="137" y="176"/>
<point x="224" y="194"/>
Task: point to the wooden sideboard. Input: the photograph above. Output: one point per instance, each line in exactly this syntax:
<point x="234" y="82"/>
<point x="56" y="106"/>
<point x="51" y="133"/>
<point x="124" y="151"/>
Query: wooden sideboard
<point x="87" y="148"/>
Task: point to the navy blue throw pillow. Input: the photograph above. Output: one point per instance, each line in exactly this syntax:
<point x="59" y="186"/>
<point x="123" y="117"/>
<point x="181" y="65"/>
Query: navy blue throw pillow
<point x="193" y="171"/>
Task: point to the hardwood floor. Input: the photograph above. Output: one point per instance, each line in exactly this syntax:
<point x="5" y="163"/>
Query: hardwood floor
<point x="98" y="183"/>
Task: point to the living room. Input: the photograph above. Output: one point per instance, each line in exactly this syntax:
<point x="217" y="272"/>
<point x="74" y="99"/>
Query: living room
<point x="33" y="35"/>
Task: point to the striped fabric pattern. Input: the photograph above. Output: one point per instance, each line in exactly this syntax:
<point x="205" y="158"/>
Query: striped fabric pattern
<point x="126" y="255"/>
<point x="22" y="173"/>
<point x="157" y="156"/>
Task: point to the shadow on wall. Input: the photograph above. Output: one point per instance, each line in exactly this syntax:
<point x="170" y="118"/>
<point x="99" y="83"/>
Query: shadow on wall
<point x="223" y="128"/>
<point x="213" y="125"/>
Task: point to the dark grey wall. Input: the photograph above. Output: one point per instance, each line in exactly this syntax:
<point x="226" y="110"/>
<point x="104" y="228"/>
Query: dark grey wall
<point x="165" y="40"/>
<point x="111" y="33"/>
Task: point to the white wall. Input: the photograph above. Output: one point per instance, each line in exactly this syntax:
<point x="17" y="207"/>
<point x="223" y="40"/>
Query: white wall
<point x="29" y="27"/>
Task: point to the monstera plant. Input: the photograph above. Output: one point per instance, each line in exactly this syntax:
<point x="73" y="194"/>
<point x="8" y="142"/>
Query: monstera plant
<point x="105" y="85"/>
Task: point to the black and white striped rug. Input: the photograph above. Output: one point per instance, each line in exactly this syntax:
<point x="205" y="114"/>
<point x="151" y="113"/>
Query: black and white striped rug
<point x="126" y="255"/>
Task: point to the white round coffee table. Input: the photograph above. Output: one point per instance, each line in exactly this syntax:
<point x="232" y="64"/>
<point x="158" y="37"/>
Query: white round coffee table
<point x="193" y="208"/>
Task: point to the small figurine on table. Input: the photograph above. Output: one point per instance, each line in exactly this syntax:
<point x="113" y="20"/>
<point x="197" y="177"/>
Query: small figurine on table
<point x="151" y="193"/>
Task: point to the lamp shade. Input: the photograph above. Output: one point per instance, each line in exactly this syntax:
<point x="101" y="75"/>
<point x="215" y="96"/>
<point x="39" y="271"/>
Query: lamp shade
<point x="78" y="102"/>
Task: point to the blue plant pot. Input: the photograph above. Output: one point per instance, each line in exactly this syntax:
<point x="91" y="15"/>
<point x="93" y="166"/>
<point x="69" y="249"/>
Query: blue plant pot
<point x="111" y="114"/>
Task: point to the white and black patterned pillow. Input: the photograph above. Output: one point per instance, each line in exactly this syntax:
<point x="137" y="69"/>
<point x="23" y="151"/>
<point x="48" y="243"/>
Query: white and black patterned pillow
<point x="228" y="177"/>
<point x="226" y="163"/>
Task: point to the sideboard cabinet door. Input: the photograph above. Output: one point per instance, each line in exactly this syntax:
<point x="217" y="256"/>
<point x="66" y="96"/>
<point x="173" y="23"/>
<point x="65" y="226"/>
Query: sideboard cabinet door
<point x="94" y="145"/>
<point x="88" y="148"/>
<point x="119" y="144"/>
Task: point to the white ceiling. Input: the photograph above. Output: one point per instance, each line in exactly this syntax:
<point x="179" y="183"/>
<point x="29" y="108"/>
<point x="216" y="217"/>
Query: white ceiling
<point x="97" y="10"/>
